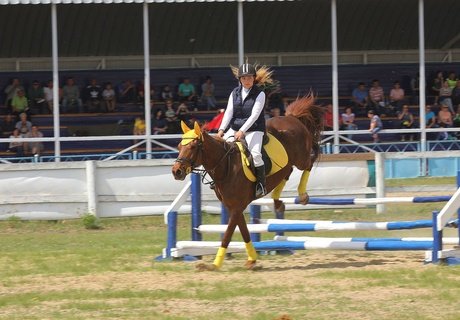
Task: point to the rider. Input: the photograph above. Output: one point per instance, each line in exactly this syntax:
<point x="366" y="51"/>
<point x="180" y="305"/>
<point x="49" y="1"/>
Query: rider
<point x="245" y="116"/>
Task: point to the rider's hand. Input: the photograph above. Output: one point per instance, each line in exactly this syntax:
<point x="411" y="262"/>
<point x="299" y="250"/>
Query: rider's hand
<point x="239" y="135"/>
<point x="220" y="133"/>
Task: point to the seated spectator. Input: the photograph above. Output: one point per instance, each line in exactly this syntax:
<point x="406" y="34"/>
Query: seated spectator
<point x="182" y="112"/>
<point x="377" y="97"/>
<point x="36" y="148"/>
<point x="415" y="89"/>
<point x="171" y="118"/>
<point x="71" y="97"/>
<point x="36" y="96"/>
<point x="456" y="95"/>
<point x="48" y="92"/>
<point x="93" y="97"/>
<point x="445" y="96"/>
<point x="275" y="112"/>
<point x="109" y="98"/>
<point x="214" y="124"/>
<point x="348" y="121"/>
<point x="275" y="100"/>
<point x="430" y="122"/>
<point x="328" y="118"/>
<point x="445" y="120"/>
<point x="23" y="125"/>
<point x="127" y="92"/>
<point x="375" y="125"/>
<point x="19" y="104"/>
<point x="359" y="98"/>
<point x="207" y="96"/>
<point x="8" y="125"/>
<point x="456" y="122"/>
<point x="397" y="98"/>
<point x="166" y="93"/>
<point x="11" y="91"/>
<point x="452" y="79"/>
<point x="139" y="127"/>
<point x="406" y="121"/>
<point x="16" y="146"/>
<point x="437" y="85"/>
<point x="187" y="93"/>
<point x="159" y="124"/>
<point x="141" y="92"/>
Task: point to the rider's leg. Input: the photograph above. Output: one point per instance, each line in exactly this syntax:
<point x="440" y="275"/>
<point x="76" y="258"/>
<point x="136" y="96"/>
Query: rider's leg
<point x="254" y="140"/>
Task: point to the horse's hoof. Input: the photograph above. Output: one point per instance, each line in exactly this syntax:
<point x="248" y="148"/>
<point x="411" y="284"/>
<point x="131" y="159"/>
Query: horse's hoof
<point x="304" y="198"/>
<point x="252" y="265"/>
<point x="279" y="207"/>
<point x="205" y="267"/>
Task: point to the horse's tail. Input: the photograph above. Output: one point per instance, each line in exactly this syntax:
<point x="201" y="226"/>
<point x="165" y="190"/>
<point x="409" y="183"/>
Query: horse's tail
<point x="311" y="116"/>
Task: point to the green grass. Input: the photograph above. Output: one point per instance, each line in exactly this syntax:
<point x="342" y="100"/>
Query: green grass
<point x="61" y="270"/>
<point x="420" y="181"/>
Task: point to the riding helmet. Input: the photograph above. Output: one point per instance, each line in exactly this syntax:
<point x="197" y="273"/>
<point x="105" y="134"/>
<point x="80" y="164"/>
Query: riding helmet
<point x="246" y="69"/>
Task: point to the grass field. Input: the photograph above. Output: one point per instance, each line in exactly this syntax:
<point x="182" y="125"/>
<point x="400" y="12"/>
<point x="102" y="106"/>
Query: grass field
<point x="60" y="270"/>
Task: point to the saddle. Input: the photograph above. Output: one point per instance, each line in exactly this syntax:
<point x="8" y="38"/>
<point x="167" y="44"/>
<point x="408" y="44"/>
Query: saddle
<point x="273" y="154"/>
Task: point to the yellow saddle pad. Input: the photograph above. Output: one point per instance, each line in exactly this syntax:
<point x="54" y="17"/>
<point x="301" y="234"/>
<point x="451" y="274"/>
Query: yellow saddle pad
<point x="276" y="153"/>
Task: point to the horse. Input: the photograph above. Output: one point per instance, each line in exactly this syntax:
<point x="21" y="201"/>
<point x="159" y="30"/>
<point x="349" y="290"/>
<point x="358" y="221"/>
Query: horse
<point x="299" y="132"/>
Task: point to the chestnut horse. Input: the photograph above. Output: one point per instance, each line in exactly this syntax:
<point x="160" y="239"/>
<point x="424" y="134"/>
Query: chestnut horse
<point x="299" y="133"/>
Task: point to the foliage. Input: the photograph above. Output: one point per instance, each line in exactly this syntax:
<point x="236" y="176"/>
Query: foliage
<point x="91" y="222"/>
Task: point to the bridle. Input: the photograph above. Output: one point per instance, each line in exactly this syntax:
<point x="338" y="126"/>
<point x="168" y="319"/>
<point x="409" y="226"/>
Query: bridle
<point x="204" y="172"/>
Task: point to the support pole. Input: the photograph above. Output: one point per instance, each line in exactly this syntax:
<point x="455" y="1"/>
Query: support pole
<point x="335" y="78"/>
<point x="437" y="239"/>
<point x="196" y="206"/>
<point x="380" y="180"/>
<point x="148" y="124"/>
<point x="458" y="211"/>
<point x="422" y="80"/>
<point x="91" y="186"/>
<point x="172" y="234"/>
<point x="56" y="123"/>
<point x="254" y="213"/>
<point x="240" y="33"/>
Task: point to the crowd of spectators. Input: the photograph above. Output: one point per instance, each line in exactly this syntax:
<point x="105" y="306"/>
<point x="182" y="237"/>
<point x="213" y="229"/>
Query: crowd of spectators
<point x="442" y="111"/>
<point x="172" y="103"/>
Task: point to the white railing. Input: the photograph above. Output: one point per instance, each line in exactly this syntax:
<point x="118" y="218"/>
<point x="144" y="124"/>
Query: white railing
<point x="223" y="60"/>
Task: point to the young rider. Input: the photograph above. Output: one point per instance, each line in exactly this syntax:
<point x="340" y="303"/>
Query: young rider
<point x="244" y="118"/>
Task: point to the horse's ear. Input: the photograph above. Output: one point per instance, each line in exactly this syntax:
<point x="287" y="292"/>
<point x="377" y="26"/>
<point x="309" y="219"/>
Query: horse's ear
<point x="197" y="129"/>
<point x="184" y="127"/>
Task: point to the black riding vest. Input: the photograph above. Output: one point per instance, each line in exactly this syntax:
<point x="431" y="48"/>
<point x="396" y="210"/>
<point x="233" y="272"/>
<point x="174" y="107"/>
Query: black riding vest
<point x="242" y="110"/>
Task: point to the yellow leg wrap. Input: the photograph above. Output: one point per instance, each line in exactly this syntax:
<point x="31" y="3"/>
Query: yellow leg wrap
<point x="219" y="259"/>
<point x="252" y="254"/>
<point x="276" y="193"/>
<point x="302" y="188"/>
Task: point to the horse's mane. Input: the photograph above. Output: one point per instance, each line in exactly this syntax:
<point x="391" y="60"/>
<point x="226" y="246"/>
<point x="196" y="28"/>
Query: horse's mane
<point x="310" y="115"/>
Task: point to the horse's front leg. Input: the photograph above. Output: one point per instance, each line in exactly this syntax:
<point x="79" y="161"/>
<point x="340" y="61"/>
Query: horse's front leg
<point x="250" y="250"/>
<point x="278" y="204"/>
<point x="302" y="188"/>
<point x="220" y="256"/>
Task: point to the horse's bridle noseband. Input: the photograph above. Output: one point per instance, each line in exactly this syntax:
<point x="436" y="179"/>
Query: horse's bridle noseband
<point x="191" y="161"/>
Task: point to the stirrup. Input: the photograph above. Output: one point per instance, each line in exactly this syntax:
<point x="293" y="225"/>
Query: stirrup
<point x="260" y="190"/>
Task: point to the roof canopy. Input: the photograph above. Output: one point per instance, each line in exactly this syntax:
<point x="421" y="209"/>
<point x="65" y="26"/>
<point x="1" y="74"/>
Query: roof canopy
<point x="11" y="2"/>
<point x="211" y="28"/>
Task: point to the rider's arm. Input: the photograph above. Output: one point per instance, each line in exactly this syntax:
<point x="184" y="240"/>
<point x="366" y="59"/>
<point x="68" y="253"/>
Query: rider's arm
<point x="256" y="111"/>
<point x="228" y="114"/>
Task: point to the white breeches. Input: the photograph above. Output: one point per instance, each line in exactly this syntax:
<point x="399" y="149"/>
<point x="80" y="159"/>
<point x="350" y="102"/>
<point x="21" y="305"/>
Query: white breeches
<point x="254" y="139"/>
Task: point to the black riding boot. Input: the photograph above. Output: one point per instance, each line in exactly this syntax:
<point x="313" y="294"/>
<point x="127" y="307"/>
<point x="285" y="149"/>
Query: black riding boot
<point x="260" y="182"/>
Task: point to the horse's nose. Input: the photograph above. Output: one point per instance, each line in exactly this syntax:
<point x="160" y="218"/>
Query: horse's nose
<point x="178" y="173"/>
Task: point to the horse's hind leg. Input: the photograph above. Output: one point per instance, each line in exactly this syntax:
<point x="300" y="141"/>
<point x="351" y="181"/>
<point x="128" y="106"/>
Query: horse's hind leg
<point x="302" y="187"/>
<point x="250" y="250"/>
